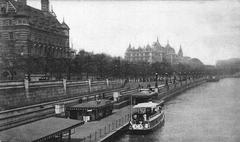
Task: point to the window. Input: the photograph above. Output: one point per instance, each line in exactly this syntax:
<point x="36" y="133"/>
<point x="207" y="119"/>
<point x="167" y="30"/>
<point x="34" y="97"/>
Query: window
<point x="5" y="22"/>
<point x="11" y="37"/>
<point x="21" y="21"/>
<point x="10" y="22"/>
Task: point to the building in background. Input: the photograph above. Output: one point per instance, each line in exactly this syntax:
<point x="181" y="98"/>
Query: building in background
<point x="26" y="31"/>
<point x="154" y="53"/>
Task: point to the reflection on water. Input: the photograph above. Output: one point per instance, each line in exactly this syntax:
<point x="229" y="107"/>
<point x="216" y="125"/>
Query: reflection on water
<point x="210" y="112"/>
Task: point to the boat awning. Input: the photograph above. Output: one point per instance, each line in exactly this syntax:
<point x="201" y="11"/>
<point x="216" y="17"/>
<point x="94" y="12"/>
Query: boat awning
<point x="41" y="130"/>
<point x="146" y="105"/>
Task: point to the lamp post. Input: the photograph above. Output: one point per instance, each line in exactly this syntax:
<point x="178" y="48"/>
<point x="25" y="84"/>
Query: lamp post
<point x="174" y="79"/>
<point x="193" y="75"/>
<point x="185" y="77"/>
<point x="189" y="77"/>
<point x="156" y="81"/>
<point x="179" y="77"/>
<point x="27" y="65"/>
<point x="166" y="81"/>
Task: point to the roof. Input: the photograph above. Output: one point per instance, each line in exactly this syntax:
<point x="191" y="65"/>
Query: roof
<point x="92" y="104"/>
<point x="38" y="129"/>
<point x="38" y="18"/>
<point x="146" y="105"/>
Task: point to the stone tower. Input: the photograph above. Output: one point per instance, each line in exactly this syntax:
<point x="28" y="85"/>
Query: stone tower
<point x="180" y="52"/>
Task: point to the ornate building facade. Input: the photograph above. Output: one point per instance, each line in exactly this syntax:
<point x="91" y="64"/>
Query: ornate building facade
<point x="154" y="53"/>
<point x="27" y="31"/>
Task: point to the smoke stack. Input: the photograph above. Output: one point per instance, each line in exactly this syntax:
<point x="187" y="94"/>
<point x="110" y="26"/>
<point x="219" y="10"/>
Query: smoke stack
<point x="45" y="5"/>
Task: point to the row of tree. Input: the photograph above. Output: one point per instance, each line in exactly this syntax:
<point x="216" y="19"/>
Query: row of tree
<point x="89" y="65"/>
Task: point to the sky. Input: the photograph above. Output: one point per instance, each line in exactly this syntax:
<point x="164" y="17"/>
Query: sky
<point x="207" y="30"/>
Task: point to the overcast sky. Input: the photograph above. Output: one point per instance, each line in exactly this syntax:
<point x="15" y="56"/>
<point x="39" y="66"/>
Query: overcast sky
<point x="208" y="30"/>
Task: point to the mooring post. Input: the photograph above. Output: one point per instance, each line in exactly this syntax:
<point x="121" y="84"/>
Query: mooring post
<point x="65" y="85"/>
<point x="107" y="81"/>
<point x="89" y="85"/>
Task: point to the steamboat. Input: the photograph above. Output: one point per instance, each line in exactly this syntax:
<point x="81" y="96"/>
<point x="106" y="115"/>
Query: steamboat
<point x="146" y="117"/>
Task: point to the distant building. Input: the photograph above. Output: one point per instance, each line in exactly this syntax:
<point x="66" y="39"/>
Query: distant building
<point x="231" y="65"/>
<point x="154" y="53"/>
<point x="27" y="31"/>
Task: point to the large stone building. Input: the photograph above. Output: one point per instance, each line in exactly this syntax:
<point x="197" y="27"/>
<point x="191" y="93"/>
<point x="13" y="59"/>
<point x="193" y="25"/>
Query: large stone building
<point x="27" y="31"/>
<point x="154" y="53"/>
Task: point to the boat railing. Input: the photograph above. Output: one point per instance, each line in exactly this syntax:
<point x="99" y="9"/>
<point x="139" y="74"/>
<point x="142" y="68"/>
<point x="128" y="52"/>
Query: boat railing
<point x="150" y="117"/>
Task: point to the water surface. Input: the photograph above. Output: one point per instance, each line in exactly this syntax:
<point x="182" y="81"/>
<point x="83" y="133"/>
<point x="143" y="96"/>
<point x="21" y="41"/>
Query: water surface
<point x="207" y="113"/>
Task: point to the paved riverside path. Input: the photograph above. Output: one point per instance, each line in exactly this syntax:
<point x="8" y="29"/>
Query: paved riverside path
<point x="97" y="130"/>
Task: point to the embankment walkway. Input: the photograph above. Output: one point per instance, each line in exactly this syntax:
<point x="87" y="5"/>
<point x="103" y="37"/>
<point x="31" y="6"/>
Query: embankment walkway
<point x="100" y="130"/>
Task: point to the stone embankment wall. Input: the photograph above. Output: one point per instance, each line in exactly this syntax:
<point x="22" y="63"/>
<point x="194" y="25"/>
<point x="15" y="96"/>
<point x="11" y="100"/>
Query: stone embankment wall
<point x="19" y="94"/>
<point x="175" y="89"/>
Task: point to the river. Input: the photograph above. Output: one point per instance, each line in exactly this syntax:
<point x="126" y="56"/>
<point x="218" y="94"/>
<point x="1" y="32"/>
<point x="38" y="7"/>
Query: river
<point x="207" y="113"/>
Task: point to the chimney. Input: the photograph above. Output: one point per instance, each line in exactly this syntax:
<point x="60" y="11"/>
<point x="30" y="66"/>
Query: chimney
<point x="45" y="5"/>
<point x="23" y="2"/>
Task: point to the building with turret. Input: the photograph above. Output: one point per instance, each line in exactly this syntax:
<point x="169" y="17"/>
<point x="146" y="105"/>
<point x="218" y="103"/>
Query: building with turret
<point x="154" y="53"/>
<point x="27" y="31"/>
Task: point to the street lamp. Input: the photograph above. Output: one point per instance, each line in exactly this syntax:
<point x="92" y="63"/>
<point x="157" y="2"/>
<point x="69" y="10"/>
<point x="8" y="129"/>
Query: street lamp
<point x="156" y="83"/>
<point x="28" y="64"/>
<point x="166" y="81"/>
<point x="180" y="78"/>
<point x="189" y="77"/>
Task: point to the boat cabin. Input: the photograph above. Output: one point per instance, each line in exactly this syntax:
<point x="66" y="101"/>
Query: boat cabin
<point x="90" y="111"/>
<point x="146" y="116"/>
<point x="144" y="111"/>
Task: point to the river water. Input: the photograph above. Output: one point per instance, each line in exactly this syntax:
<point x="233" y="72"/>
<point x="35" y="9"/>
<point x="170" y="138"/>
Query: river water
<point x="207" y="113"/>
